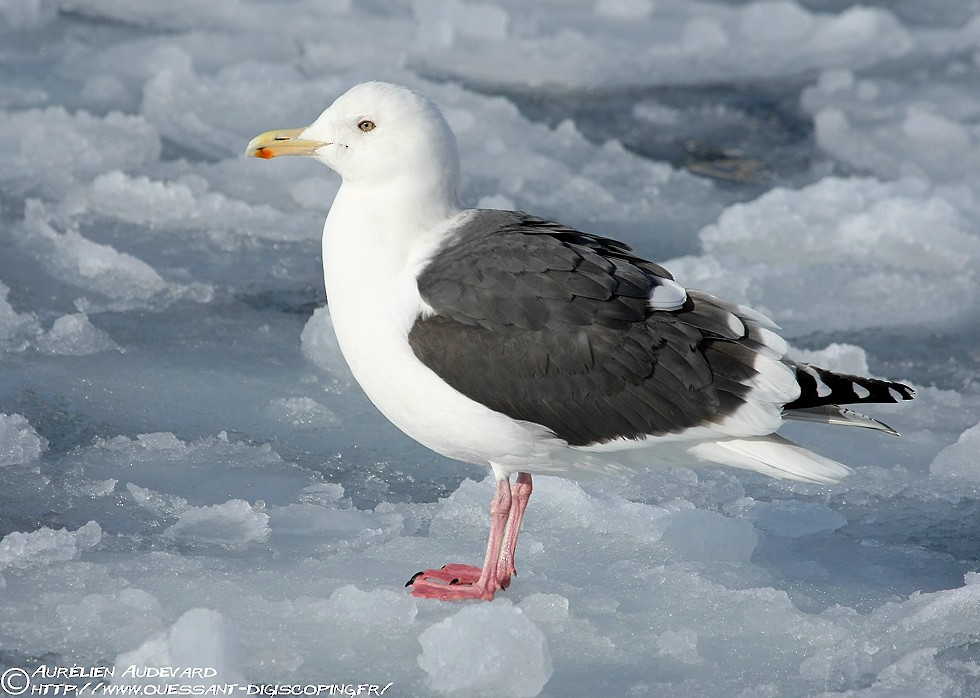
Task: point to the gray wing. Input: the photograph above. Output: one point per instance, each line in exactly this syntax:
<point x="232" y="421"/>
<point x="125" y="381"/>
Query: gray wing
<point x="553" y="326"/>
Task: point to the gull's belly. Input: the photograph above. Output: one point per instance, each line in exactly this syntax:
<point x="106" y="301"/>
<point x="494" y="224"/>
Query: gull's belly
<point x="372" y="329"/>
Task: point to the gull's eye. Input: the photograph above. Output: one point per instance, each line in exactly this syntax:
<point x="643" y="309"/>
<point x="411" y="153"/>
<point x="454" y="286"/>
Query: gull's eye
<point x="366" y="125"/>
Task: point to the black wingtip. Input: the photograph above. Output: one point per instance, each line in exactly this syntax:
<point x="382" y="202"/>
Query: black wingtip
<point x="906" y="391"/>
<point x="819" y="387"/>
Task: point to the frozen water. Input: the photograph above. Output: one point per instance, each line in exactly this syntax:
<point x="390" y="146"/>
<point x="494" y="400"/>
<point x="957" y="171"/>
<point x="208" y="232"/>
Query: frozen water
<point x="856" y="239"/>
<point x="74" y="334"/>
<point x="45" y="546"/>
<point x="486" y="650"/>
<point x="702" y="535"/>
<point x="789" y="519"/>
<point x="19" y="442"/>
<point x="233" y="524"/>
<point x="960" y="460"/>
<point x="598" y="44"/>
<point x="199" y="638"/>
<point x="190" y="474"/>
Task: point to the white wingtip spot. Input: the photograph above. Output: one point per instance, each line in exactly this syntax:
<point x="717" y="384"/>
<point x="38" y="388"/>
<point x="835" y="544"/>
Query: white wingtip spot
<point x="667" y="295"/>
<point x="896" y="396"/>
<point x="861" y="391"/>
<point x="823" y="390"/>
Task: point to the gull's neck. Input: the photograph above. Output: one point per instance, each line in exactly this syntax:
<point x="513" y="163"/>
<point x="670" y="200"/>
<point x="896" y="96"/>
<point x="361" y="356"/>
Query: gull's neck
<point x="375" y="241"/>
<point x="390" y="221"/>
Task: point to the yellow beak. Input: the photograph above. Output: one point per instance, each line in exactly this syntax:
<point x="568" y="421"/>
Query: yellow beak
<point x="282" y="142"/>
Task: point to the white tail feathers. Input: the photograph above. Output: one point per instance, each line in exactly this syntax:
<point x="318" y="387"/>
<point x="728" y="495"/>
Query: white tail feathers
<point x="774" y="456"/>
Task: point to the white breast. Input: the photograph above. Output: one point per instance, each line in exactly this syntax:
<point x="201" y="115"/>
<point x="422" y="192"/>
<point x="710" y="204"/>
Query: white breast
<point x="374" y="300"/>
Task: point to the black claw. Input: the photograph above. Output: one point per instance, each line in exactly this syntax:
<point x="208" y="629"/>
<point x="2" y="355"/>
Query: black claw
<point x="415" y="576"/>
<point x="455" y="581"/>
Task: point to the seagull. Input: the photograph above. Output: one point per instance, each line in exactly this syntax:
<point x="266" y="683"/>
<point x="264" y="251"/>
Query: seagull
<point x="524" y="345"/>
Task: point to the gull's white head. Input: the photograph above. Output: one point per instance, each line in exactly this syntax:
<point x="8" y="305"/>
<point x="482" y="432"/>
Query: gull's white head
<point x="374" y="135"/>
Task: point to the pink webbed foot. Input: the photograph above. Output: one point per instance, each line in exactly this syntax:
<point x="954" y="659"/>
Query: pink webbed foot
<point x="428" y="587"/>
<point x="455" y="582"/>
<point x="452" y="573"/>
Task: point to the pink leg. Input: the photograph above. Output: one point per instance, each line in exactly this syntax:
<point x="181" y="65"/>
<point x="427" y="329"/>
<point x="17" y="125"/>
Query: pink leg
<point x="521" y="493"/>
<point x="467" y="574"/>
<point x="439" y="584"/>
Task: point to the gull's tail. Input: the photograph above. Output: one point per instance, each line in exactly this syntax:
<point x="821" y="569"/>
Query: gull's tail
<point x="823" y="392"/>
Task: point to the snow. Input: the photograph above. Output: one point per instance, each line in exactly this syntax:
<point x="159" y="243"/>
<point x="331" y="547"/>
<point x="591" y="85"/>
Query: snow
<point x="190" y="474"/>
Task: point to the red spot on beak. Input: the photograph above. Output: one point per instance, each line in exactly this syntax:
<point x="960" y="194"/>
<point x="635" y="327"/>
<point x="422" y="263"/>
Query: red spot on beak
<point x="265" y="153"/>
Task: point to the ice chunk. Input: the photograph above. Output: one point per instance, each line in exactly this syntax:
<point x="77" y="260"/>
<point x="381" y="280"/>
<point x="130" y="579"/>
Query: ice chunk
<point x="441" y="23"/>
<point x="323" y="523"/>
<point x="301" y="411"/>
<point x="96" y="268"/>
<point x="842" y="254"/>
<point x="681" y="645"/>
<point x="130" y="612"/>
<point x="185" y="204"/>
<point x="584" y="47"/>
<point x="17" y="330"/>
<point x="936" y="132"/>
<point x="893" y="635"/>
<point x="234" y="524"/>
<point x="54" y="147"/>
<point x="323" y="493"/>
<point x="164" y="464"/>
<point x="201" y="639"/>
<point x="891" y="128"/>
<point x="45" y="546"/>
<point x="545" y="608"/>
<point x="775" y="21"/>
<point x="838" y="37"/>
<point x="217" y="114"/>
<point x="350" y="607"/>
<point x="319" y="344"/>
<point x="104" y="89"/>
<point x="836" y="356"/>
<point x="163" y="505"/>
<point x="486" y="650"/>
<point x="708" y="536"/>
<point x="918" y="668"/>
<point x="961" y="460"/>
<point x="19" y="442"/>
<point x="788" y="518"/>
<point x="74" y="335"/>
<point x="704" y="35"/>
